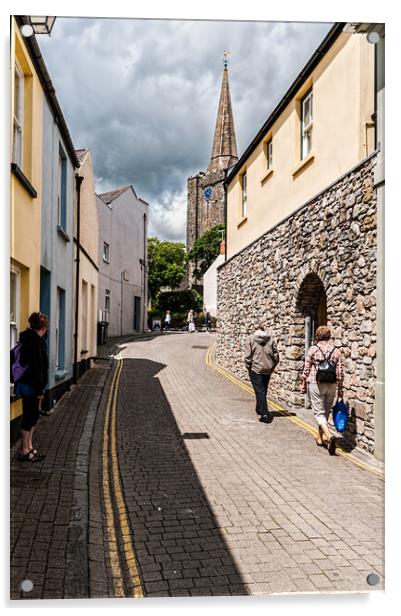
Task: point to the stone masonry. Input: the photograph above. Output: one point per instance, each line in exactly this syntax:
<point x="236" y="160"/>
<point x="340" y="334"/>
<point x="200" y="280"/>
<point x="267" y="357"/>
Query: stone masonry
<point x="320" y="261"/>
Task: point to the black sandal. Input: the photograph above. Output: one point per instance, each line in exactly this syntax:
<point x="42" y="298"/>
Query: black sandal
<point x="332" y="446"/>
<point x="26" y="457"/>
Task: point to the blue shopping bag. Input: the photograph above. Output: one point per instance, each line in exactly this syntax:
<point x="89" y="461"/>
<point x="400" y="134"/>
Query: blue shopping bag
<point x="340" y="415"/>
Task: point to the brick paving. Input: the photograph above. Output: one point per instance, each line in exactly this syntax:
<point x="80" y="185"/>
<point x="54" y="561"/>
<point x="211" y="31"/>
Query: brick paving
<point x="48" y="509"/>
<point x="222" y="504"/>
<point x="218" y="503"/>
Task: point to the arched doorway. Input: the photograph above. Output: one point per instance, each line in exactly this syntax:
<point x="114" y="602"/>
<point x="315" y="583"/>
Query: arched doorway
<point x="311" y="309"/>
<point x="312" y="305"/>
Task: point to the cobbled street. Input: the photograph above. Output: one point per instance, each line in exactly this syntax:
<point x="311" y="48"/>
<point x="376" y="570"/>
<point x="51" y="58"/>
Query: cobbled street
<point x="159" y="480"/>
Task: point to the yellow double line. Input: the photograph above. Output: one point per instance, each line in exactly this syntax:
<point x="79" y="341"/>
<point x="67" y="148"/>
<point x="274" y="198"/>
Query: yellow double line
<point x="112" y="488"/>
<point x="296" y="420"/>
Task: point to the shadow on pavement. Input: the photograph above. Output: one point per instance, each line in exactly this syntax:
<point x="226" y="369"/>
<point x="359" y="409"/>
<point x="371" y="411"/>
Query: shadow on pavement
<point x="178" y="543"/>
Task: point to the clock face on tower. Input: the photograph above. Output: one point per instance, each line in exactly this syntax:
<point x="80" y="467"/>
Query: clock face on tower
<point x="207" y="193"/>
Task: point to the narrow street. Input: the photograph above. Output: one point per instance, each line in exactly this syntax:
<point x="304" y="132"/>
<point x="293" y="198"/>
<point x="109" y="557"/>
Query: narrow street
<point x="160" y="481"/>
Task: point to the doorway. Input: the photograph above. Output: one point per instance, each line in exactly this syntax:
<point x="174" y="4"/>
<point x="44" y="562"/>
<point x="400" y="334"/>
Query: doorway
<point x="312" y="309"/>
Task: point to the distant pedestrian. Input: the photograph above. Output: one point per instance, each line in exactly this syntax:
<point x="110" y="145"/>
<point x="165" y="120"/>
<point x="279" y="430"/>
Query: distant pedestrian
<point x="167" y="320"/>
<point x="208" y="321"/>
<point x="191" y="321"/>
<point x="261" y="358"/>
<point x="323" y="375"/>
<point x="32" y="384"/>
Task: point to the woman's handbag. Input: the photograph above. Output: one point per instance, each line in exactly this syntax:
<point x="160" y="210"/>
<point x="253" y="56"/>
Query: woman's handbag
<point x="340" y="415"/>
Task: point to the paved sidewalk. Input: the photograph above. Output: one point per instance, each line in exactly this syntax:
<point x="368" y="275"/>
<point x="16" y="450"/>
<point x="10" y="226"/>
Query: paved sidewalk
<point x="217" y="503"/>
<point x="222" y="504"/>
<point x="49" y="499"/>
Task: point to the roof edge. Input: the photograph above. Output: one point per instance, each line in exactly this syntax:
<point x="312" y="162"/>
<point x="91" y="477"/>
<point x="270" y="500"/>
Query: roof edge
<point x="48" y="87"/>
<point x="311" y="64"/>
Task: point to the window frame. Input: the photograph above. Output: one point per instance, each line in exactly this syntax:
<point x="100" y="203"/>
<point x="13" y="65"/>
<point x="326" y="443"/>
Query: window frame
<point x="244" y="194"/>
<point x="18" y="117"/>
<point x="107" y="304"/>
<point x="106" y="253"/>
<point x="60" y="330"/>
<point x="62" y="190"/>
<point x="14" y="271"/>
<point x="269" y="154"/>
<point x="306" y="130"/>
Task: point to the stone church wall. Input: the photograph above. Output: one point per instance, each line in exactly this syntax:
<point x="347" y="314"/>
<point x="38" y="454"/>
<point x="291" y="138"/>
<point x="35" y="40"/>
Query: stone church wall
<point x="329" y="248"/>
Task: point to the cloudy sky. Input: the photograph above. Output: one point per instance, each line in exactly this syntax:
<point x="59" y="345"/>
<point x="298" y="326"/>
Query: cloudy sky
<point x="143" y="95"/>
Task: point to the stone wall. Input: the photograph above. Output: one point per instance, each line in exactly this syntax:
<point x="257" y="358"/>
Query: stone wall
<point x="319" y="261"/>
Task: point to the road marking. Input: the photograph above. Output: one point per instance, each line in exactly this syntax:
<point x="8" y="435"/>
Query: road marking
<point x="296" y="420"/>
<point x="110" y="453"/>
<point x="118" y="590"/>
<point x="121" y="506"/>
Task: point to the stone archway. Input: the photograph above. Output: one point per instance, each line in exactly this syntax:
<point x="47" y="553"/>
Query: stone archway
<point x="309" y="312"/>
<point x="311" y="306"/>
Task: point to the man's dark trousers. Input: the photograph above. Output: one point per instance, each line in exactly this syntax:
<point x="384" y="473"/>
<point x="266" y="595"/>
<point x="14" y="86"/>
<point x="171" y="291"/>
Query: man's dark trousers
<point x="260" y="384"/>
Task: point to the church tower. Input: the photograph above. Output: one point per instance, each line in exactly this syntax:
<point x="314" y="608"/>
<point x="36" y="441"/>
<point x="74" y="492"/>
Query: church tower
<point x="205" y="200"/>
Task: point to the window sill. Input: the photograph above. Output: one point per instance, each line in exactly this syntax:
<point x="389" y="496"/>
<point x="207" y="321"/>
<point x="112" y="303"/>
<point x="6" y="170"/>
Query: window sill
<point x="242" y="221"/>
<point x="266" y="175"/>
<point x="59" y="375"/>
<point x="63" y="234"/>
<point x="303" y="163"/>
<point x="20" y="175"/>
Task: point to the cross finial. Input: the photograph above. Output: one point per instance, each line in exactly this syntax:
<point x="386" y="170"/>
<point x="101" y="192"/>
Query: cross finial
<point x="226" y="54"/>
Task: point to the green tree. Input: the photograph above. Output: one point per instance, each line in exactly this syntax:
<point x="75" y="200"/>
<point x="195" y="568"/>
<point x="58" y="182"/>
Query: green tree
<point x="205" y="250"/>
<point x="166" y="265"/>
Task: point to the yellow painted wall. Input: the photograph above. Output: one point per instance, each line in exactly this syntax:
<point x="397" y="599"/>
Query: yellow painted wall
<point x="25" y="211"/>
<point x="343" y="102"/>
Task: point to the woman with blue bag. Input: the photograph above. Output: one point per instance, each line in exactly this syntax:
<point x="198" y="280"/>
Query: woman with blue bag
<point x="33" y="357"/>
<point x="323" y="374"/>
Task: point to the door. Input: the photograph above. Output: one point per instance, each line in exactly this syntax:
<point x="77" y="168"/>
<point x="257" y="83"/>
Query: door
<point x="137" y="313"/>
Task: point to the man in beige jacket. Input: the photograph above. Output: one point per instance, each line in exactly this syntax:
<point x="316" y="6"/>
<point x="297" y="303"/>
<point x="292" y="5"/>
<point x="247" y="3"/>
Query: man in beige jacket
<point x="261" y="358"/>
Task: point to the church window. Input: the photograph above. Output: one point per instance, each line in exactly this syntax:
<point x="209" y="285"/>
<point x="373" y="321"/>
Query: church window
<point x="306" y="124"/>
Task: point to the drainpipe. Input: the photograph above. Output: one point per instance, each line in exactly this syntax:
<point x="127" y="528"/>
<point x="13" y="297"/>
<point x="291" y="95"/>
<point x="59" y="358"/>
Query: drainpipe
<point x="78" y="181"/>
<point x="144" y="312"/>
<point x="379" y="180"/>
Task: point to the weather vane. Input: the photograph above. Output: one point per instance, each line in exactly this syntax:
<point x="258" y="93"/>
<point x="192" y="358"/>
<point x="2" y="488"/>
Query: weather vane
<point x="226" y="54"/>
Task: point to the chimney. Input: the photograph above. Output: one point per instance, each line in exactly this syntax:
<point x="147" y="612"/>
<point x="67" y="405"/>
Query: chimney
<point x="222" y="247"/>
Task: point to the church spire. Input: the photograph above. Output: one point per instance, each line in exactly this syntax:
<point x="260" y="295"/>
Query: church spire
<point x="224" y="152"/>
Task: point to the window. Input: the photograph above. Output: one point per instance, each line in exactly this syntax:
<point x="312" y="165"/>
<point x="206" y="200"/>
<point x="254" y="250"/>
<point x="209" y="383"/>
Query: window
<point x="269" y="154"/>
<point x="62" y="190"/>
<point x="84" y="330"/>
<point x="244" y="196"/>
<point x="14" y="306"/>
<point x="60" y="330"/>
<point x="306" y="124"/>
<point x="18" y="119"/>
<point x="93" y="320"/>
<point x="106" y="305"/>
<point x="106" y="252"/>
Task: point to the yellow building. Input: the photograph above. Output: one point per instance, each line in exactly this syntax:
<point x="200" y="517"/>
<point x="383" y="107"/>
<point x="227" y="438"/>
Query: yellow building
<point x="301" y="228"/>
<point x="25" y="188"/>
<point x="322" y="128"/>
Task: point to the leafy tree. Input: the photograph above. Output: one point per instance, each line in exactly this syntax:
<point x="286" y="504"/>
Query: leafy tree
<point x="205" y="250"/>
<point x="179" y="301"/>
<point x="166" y="264"/>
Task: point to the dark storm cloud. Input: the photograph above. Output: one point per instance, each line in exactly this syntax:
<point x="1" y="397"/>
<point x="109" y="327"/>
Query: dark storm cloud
<point x="143" y="95"/>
